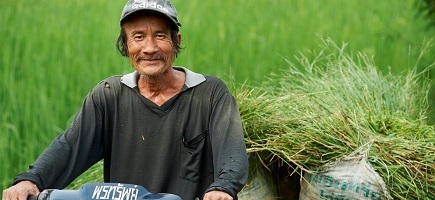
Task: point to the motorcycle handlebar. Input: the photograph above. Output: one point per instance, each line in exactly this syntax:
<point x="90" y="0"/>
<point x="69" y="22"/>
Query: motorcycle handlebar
<point x="32" y="198"/>
<point x="41" y="196"/>
<point x="134" y="191"/>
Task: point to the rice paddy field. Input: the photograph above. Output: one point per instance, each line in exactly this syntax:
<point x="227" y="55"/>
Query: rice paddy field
<point x="53" y="52"/>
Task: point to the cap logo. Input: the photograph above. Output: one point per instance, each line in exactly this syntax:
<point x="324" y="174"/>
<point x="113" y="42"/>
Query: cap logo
<point x="152" y="4"/>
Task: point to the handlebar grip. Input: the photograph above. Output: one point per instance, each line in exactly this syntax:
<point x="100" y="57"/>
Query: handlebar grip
<point x="44" y="195"/>
<point x="32" y="198"/>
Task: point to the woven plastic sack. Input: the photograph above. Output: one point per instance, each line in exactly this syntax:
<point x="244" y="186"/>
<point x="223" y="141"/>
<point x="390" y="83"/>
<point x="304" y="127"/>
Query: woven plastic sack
<point x="350" y="178"/>
<point x="260" y="187"/>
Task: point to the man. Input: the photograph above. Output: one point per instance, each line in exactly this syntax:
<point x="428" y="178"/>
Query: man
<point x="166" y="128"/>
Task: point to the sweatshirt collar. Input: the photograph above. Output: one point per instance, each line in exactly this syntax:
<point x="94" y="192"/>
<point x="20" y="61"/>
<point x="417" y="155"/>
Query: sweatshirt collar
<point x="192" y="79"/>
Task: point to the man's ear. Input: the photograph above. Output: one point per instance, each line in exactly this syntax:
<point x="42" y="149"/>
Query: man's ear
<point x="179" y="39"/>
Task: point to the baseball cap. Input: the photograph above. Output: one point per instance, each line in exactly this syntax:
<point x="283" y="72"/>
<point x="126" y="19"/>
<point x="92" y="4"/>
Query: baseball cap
<point x="160" y="6"/>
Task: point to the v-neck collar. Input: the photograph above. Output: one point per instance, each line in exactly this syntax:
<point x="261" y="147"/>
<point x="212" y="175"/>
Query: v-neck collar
<point x="192" y="79"/>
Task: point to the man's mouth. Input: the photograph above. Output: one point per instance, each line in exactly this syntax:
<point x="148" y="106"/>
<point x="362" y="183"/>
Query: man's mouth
<point x="150" y="59"/>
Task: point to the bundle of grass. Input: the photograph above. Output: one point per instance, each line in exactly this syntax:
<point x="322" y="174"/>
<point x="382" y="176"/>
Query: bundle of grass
<point x="326" y="107"/>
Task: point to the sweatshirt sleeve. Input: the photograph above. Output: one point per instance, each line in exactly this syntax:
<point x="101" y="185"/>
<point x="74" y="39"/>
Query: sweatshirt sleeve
<point x="229" y="149"/>
<point x="70" y="153"/>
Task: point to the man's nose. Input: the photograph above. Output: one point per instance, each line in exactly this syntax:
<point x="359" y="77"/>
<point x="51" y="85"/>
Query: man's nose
<point x="149" y="46"/>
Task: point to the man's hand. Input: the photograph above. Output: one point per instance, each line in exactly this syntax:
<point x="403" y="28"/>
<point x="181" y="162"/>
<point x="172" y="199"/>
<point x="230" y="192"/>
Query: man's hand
<point x="217" y="195"/>
<point x="20" y="191"/>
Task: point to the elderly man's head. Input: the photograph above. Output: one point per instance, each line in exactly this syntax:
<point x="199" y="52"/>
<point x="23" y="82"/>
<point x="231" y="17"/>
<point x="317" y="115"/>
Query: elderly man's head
<point x="160" y="8"/>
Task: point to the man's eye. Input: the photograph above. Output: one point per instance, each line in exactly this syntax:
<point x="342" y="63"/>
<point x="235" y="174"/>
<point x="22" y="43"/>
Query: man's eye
<point x="138" y="37"/>
<point x="160" y="36"/>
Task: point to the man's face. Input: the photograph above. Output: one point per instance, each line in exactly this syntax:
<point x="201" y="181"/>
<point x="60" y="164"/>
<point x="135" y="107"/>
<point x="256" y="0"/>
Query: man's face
<point x="150" y="47"/>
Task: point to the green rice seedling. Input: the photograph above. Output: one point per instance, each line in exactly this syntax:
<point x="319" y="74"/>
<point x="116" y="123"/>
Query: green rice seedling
<point x="329" y="106"/>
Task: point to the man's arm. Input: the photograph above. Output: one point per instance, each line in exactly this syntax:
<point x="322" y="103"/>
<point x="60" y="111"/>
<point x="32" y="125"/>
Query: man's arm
<point x="229" y="149"/>
<point x="70" y="153"/>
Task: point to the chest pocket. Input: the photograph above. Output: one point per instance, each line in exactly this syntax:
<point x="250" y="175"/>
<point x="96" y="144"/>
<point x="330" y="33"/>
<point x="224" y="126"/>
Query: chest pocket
<point x="191" y="156"/>
<point x="196" y="151"/>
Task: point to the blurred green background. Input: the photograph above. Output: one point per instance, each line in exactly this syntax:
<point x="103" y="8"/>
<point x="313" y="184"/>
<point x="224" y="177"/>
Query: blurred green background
<point x="53" y="52"/>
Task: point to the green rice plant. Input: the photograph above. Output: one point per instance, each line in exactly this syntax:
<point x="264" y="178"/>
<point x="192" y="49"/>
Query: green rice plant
<point x="329" y="106"/>
<point x="93" y="175"/>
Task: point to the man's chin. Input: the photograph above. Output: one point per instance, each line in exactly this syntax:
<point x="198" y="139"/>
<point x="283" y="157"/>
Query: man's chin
<point x="152" y="70"/>
<point x="150" y="73"/>
<point x="155" y="75"/>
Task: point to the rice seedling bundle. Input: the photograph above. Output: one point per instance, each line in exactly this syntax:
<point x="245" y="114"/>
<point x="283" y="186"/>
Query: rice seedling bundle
<point x="326" y="107"/>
